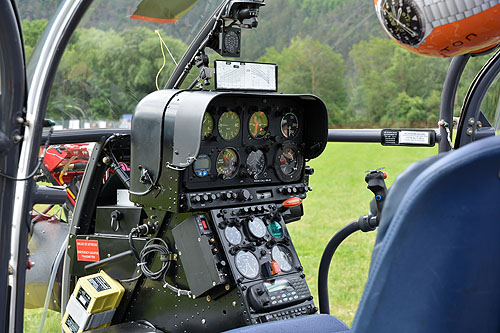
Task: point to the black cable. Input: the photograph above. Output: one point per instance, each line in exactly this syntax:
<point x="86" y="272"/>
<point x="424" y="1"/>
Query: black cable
<point x="39" y="164"/>
<point x="326" y="259"/>
<point x="131" y="243"/>
<point x="151" y="248"/>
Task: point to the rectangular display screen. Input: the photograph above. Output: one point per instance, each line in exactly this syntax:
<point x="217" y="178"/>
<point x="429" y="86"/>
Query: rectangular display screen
<point x="237" y="75"/>
<point x="277" y="285"/>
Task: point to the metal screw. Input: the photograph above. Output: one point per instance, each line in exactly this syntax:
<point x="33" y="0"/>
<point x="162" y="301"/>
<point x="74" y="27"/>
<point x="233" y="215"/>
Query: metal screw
<point x="17" y="137"/>
<point x="469" y="131"/>
<point x="209" y="298"/>
<point x="479" y="125"/>
<point x="471" y="121"/>
<point x="234" y="303"/>
<point x="227" y="287"/>
<point x="203" y="321"/>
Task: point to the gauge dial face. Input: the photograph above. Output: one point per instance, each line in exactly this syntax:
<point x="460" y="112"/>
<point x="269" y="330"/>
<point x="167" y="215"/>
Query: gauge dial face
<point x="201" y="166"/>
<point x="229" y="125"/>
<point x="256" y="163"/>
<point x="288" y="161"/>
<point x="208" y="126"/>
<point x="289" y="125"/>
<point x="283" y="256"/>
<point x="233" y="235"/>
<point x="403" y="21"/>
<point x="247" y="264"/>
<point x="257" y="227"/>
<point x="258" y="124"/>
<point x="232" y="42"/>
<point x="227" y="163"/>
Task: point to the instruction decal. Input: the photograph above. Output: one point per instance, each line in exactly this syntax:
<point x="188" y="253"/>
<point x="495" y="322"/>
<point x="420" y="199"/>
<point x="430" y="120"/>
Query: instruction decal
<point x="87" y="250"/>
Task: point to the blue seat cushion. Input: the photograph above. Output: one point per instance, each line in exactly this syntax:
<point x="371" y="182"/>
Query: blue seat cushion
<point x="320" y="323"/>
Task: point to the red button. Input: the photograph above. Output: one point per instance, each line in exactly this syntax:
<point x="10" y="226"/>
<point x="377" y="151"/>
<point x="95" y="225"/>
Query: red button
<point x="204" y="224"/>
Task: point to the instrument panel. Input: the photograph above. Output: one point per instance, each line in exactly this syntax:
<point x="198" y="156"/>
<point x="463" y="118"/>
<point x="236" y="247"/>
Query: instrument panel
<point x="250" y="141"/>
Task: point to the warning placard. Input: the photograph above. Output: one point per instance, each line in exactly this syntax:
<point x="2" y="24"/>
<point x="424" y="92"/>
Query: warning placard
<point x="87" y="250"/>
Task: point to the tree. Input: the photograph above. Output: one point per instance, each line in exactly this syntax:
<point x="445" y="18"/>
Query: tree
<point x="307" y="66"/>
<point x="32" y="30"/>
<point x="386" y="76"/>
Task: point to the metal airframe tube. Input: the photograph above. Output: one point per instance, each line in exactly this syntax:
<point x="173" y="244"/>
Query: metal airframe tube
<point x="448" y="94"/>
<point x="362" y="135"/>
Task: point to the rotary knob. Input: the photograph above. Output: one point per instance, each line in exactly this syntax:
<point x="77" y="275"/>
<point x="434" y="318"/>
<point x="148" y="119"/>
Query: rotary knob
<point x="244" y="195"/>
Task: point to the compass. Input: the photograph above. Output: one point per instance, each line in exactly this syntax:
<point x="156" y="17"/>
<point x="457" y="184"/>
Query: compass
<point x="403" y="21"/>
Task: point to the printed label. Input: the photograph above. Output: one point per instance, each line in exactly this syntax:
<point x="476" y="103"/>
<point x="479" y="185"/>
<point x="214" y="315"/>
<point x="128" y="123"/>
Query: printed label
<point x="99" y="283"/>
<point x="414" y="137"/>
<point x="87" y="250"/>
<point x="83" y="298"/>
<point x="72" y="325"/>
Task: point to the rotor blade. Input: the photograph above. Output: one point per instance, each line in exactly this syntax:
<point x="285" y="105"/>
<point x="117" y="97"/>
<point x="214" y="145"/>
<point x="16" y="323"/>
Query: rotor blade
<point x="162" y="11"/>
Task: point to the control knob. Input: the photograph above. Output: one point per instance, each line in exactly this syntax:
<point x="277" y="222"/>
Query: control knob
<point x="244" y="195"/>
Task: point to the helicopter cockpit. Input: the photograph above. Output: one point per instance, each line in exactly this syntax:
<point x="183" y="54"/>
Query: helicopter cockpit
<point x="185" y="214"/>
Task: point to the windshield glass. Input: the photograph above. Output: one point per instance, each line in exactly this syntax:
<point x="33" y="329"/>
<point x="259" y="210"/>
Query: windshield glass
<point x="490" y="105"/>
<point x="112" y="62"/>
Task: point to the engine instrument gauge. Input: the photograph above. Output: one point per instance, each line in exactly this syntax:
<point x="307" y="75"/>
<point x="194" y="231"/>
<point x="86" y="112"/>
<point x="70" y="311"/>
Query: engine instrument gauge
<point x="256" y="163"/>
<point x="233" y="235"/>
<point x="201" y="166"/>
<point x="257" y="227"/>
<point x="208" y="126"/>
<point x="258" y="124"/>
<point x="247" y="264"/>
<point x="227" y="163"/>
<point x="289" y="125"/>
<point x="283" y="256"/>
<point x="229" y="125"/>
<point x="288" y="163"/>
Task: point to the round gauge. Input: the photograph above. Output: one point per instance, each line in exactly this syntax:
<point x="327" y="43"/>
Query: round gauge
<point x="403" y="21"/>
<point x="208" y="126"/>
<point x="232" y="42"/>
<point x="202" y="165"/>
<point x="257" y="227"/>
<point x="289" y="125"/>
<point x="258" y="124"/>
<point x="247" y="264"/>
<point x="256" y="163"/>
<point x="227" y="163"/>
<point x="283" y="256"/>
<point x="233" y="235"/>
<point x="288" y="163"/>
<point x="229" y="125"/>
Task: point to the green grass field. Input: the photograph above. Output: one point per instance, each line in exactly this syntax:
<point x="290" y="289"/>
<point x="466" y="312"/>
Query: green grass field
<point x="339" y="196"/>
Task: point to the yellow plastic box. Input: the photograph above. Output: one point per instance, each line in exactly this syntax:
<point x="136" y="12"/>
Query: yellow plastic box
<point x="93" y="303"/>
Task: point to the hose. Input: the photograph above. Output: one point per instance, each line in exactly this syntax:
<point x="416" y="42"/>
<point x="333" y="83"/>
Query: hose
<point x="326" y="259"/>
<point x="53" y="274"/>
